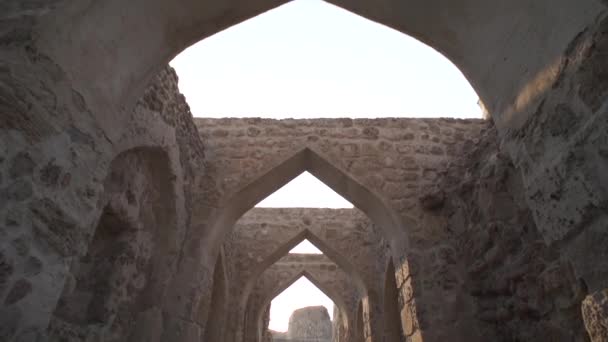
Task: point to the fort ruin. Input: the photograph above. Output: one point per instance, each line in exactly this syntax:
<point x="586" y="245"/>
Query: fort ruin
<point x="123" y="218"/>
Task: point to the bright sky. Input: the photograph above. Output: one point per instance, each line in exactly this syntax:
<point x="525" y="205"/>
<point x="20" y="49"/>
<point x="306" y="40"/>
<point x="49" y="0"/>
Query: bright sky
<point x="305" y="247"/>
<point x="308" y="58"/>
<point x="300" y="294"/>
<point x="311" y="59"/>
<point x="305" y="191"/>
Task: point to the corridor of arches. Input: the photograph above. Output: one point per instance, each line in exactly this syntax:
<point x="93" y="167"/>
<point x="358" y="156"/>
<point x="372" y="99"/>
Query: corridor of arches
<point x="125" y="218"/>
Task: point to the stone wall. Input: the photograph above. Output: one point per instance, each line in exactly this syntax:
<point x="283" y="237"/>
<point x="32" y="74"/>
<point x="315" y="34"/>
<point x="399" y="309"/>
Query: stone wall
<point x="65" y="173"/>
<point x="310" y="323"/>
<point x="522" y="289"/>
<point x="560" y="151"/>
<point x="393" y="157"/>
<point x="595" y="313"/>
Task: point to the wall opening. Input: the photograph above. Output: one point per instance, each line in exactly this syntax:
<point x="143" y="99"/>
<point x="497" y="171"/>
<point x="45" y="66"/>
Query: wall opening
<point x="369" y="203"/>
<point x="305" y="191"/>
<point x="309" y="58"/>
<point x="305" y="247"/>
<point x="299" y="295"/>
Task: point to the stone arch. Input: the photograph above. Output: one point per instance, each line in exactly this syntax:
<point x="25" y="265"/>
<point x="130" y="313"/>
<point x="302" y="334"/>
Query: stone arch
<point x="122" y="274"/>
<point x="283" y="250"/>
<point x="392" y="322"/>
<point x="214" y="329"/>
<point x="327" y="250"/>
<point x="333" y="295"/>
<point x="475" y="35"/>
<point x="306" y="160"/>
<point x="340" y="260"/>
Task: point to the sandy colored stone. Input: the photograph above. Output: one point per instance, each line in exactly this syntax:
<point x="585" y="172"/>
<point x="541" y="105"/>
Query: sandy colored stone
<point x="595" y="314"/>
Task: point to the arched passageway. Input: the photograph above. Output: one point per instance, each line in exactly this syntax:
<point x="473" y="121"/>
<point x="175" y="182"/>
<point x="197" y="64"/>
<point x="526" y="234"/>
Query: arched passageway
<point x="76" y="69"/>
<point x="342" y="159"/>
<point x="263" y="235"/>
<point x="304" y="160"/>
<point x="244" y="320"/>
<point x="323" y="285"/>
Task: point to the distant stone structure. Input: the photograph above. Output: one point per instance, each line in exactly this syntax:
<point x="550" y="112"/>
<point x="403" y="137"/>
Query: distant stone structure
<point x="309" y="324"/>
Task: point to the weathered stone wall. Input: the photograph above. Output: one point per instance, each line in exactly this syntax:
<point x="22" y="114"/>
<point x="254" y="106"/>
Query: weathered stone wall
<point x="561" y="152"/>
<point x="61" y="165"/>
<point x="123" y="270"/>
<point x="522" y="289"/>
<point x="595" y="313"/>
<point x="310" y="323"/>
<point x="393" y="157"/>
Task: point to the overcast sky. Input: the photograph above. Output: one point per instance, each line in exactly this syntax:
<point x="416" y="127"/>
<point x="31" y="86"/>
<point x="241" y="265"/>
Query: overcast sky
<point x="310" y="59"/>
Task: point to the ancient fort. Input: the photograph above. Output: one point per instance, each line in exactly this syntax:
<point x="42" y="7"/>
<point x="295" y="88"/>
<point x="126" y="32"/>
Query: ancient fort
<point x="123" y="218"/>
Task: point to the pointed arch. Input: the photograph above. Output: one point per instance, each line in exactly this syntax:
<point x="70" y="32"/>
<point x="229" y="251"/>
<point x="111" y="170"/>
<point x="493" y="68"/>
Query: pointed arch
<point x="134" y="234"/>
<point x="283" y="250"/>
<point x="130" y="45"/>
<point x="333" y="295"/>
<point x="306" y="160"/>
